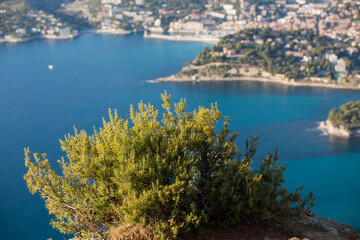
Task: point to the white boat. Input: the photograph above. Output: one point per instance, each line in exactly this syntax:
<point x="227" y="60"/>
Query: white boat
<point x="51" y="67"/>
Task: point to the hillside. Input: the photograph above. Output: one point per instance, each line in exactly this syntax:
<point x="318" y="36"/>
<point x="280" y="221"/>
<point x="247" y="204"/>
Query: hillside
<point x="296" y="56"/>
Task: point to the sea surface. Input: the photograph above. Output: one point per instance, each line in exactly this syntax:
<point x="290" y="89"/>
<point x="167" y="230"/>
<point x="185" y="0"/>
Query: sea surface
<point x="93" y="73"/>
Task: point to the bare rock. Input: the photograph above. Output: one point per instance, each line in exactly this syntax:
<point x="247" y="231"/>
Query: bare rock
<point x="314" y="227"/>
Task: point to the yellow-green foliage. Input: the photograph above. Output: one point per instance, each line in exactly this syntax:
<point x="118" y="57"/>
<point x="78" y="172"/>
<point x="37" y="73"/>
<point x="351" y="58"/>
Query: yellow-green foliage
<point x="159" y="178"/>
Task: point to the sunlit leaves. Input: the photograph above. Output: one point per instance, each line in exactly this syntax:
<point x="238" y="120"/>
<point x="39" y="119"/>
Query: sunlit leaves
<point x="168" y="176"/>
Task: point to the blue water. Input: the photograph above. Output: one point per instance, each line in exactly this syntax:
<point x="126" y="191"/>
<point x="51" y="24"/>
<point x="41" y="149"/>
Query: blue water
<point x="97" y="72"/>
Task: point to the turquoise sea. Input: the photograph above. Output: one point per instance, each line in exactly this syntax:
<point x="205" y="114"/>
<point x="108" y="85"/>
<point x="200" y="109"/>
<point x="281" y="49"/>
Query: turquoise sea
<point x="92" y="73"/>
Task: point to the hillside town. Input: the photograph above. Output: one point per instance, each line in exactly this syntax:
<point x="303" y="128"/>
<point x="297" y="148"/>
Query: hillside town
<point x="330" y="52"/>
<point x="336" y="19"/>
<point x="197" y="18"/>
<point x="296" y="57"/>
<point x="20" y="22"/>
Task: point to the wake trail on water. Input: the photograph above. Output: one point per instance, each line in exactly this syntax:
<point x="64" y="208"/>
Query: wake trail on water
<point x="316" y="129"/>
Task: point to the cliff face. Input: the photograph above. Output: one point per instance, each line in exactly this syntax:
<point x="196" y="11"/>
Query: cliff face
<point x="338" y="131"/>
<point x="331" y="129"/>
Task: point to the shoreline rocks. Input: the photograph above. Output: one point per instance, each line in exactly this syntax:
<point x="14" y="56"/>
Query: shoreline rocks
<point x="276" y="79"/>
<point x="249" y="73"/>
<point x="307" y="227"/>
<point x="329" y="128"/>
<point x="314" y="227"/>
<point x="37" y="37"/>
<point x="188" y="38"/>
<point x="65" y="37"/>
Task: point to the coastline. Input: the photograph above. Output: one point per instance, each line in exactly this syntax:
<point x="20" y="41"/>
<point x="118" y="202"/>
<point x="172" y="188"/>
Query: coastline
<point x="55" y="37"/>
<point x="20" y="40"/>
<point x="112" y="31"/>
<point x="329" y="128"/>
<point x="276" y="79"/>
<point x="38" y="37"/>
<point x="67" y="37"/>
<point x="187" y="38"/>
<point x="184" y="38"/>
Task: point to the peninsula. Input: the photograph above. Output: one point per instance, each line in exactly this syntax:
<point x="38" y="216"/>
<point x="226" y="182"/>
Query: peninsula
<point x="344" y="122"/>
<point x="297" y="58"/>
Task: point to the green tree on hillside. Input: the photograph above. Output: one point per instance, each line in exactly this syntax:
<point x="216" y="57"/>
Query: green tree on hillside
<point x="347" y="116"/>
<point x="166" y="172"/>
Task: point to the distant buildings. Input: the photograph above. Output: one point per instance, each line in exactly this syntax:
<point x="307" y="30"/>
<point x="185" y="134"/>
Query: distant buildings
<point x="139" y="2"/>
<point x="157" y="22"/>
<point x="340" y="67"/>
<point x="21" y="31"/>
<point x="115" y="2"/>
<point x="186" y="26"/>
<point x="229" y="52"/>
<point x="66" y="31"/>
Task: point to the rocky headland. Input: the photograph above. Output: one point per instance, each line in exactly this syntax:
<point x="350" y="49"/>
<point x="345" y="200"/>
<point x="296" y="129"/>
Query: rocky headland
<point x="12" y="39"/>
<point x="247" y="73"/>
<point x="246" y="56"/>
<point x="340" y="131"/>
<point x="343" y="122"/>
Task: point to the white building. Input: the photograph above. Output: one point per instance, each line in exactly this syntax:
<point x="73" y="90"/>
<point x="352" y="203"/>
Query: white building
<point x="50" y="32"/>
<point x="139" y="2"/>
<point x="119" y="16"/>
<point x="340" y="66"/>
<point x="333" y="58"/>
<point x="241" y="22"/>
<point x="215" y="14"/>
<point x="191" y="26"/>
<point x="105" y="25"/>
<point x="307" y="58"/>
<point x="231" y="12"/>
<point x="66" y="31"/>
<point x="301" y="2"/>
<point x="139" y="18"/>
<point x="21" y="31"/>
<point x="149" y="20"/>
<point x="113" y="12"/>
<point x="157" y="22"/>
<point x="115" y="2"/>
<point x="228" y="7"/>
<point x="129" y="14"/>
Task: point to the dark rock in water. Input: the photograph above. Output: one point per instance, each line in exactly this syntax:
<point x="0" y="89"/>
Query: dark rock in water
<point x="314" y="227"/>
<point x="308" y="227"/>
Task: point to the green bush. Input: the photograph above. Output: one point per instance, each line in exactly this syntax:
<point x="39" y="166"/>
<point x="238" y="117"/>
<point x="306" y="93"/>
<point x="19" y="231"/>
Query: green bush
<point x="347" y="116"/>
<point x="169" y="176"/>
<point x="188" y="73"/>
